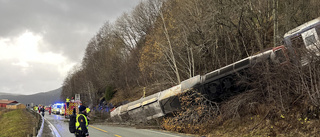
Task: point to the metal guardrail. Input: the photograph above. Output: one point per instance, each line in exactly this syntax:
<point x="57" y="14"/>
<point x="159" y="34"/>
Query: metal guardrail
<point x="53" y="129"/>
<point x="38" y="117"/>
<point x="41" y="128"/>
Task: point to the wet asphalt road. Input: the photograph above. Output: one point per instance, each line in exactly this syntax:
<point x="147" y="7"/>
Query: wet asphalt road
<point x="61" y="125"/>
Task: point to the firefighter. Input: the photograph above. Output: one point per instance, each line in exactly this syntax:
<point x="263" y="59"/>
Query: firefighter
<point x="82" y="123"/>
<point x="67" y="101"/>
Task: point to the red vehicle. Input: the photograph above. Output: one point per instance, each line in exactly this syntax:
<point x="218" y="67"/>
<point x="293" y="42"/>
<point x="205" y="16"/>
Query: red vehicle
<point x="46" y="108"/>
<point x="72" y="105"/>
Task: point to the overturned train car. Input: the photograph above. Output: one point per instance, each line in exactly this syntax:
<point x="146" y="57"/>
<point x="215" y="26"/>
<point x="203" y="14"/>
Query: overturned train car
<point x="212" y="84"/>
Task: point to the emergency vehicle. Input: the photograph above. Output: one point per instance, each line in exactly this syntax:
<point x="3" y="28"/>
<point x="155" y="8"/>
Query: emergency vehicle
<point x="56" y="108"/>
<point x="69" y="109"/>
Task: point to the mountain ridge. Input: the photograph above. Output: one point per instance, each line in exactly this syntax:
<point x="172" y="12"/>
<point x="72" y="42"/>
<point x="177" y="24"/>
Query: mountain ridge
<point x="45" y="98"/>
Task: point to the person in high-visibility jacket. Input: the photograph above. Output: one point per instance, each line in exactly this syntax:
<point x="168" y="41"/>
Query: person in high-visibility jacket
<point x="82" y="123"/>
<point x="88" y="110"/>
<point x="67" y="102"/>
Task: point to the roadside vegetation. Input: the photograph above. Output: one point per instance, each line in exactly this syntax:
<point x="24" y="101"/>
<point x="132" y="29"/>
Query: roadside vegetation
<point x="16" y="123"/>
<point x="163" y="42"/>
<point x="278" y="102"/>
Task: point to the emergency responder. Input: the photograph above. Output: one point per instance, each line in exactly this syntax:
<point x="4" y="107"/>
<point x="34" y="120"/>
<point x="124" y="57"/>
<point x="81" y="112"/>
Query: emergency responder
<point x="88" y="110"/>
<point x="67" y="101"/>
<point x="42" y="110"/>
<point x="36" y="108"/>
<point x="82" y="123"/>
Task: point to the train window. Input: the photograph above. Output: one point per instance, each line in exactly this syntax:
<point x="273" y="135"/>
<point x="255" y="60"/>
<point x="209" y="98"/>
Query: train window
<point x="281" y="58"/>
<point x="310" y="40"/>
<point x="226" y="70"/>
<point x="310" y="37"/>
<point x="212" y="75"/>
<point x="318" y="30"/>
<point x="297" y="42"/>
<point x="242" y="63"/>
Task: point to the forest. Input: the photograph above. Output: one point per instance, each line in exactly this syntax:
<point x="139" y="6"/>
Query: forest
<point x="163" y="42"/>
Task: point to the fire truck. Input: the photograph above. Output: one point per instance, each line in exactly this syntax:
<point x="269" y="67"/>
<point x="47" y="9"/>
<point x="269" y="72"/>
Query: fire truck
<point x="71" y="106"/>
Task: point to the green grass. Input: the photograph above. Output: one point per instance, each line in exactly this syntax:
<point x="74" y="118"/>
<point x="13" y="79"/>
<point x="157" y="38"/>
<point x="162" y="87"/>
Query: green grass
<point x="16" y="123"/>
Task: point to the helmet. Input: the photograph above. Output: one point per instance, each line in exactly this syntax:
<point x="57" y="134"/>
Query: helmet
<point x="82" y="108"/>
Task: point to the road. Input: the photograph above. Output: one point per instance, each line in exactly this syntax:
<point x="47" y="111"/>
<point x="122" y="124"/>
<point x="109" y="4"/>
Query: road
<point x="60" y="124"/>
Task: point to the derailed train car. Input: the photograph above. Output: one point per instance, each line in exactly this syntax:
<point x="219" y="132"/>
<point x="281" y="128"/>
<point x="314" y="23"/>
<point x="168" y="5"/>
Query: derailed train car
<point x="155" y="105"/>
<point x="167" y="101"/>
<point x="217" y="82"/>
<point x="304" y="38"/>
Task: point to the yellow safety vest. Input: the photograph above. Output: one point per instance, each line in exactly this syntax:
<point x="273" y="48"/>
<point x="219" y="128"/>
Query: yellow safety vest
<point x="88" y="110"/>
<point x="78" y="123"/>
<point x="67" y="100"/>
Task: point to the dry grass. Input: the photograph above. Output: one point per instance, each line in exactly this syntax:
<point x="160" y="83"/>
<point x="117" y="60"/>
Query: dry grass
<point x="280" y="101"/>
<point x="273" y="124"/>
<point x="196" y="115"/>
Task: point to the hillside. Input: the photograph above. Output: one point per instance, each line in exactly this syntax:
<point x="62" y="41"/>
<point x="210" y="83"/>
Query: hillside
<point x="46" y="98"/>
<point x="162" y="43"/>
<point x="172" y="41"/>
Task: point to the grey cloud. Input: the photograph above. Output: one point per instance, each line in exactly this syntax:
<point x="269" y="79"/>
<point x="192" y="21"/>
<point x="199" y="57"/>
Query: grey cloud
<point x="37" y="78"/>
<point x="67" y="25"/>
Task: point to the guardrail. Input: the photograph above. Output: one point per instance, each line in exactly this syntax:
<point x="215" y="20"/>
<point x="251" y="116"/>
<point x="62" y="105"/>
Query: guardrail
<point x="38" y="124"/>
<point x="41" y="128"/>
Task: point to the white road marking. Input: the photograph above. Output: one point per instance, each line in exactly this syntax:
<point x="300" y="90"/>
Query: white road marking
<point x="53" y="129"/>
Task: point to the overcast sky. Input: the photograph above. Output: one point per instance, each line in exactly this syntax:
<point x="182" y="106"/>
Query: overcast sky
<point x="41" y="40"/>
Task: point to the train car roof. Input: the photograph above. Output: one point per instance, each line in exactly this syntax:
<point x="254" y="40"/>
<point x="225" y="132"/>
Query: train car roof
<point x="303" y="27"/>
